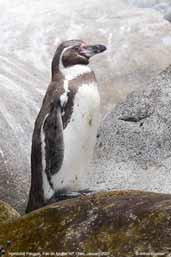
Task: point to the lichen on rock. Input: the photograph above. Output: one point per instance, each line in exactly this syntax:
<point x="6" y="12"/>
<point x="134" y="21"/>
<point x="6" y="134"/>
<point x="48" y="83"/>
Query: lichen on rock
<point x="7" y="213"/>
<point x="122" y="223"/>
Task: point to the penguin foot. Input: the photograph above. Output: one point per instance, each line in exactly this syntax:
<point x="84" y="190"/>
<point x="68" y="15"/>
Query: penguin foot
<point x="86" y="192"/>
<point x="64" y="195"/>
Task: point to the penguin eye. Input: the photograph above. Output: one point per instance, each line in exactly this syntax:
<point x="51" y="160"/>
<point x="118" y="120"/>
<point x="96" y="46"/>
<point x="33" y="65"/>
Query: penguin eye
<point x="76" y="48"/>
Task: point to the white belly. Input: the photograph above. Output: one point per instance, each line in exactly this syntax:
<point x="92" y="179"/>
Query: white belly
<point x="79" y="139"/>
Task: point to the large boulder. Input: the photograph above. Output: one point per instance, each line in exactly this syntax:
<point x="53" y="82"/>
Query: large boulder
<point x="134" y="141"/>
<point x="121" y="224"/>
<point x="162" y="6"/>
<point x="138" y="48"/>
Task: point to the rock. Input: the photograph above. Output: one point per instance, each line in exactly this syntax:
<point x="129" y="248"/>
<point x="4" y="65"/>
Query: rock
<point x="121" y="224"/>
<point x="7" y="213"/>
<point x="134" y="141"/>
<point x="167" y="16"/>
<point x="163" y="8"/>
<point x="163" y="4"/>
<point x="138" y="44"/>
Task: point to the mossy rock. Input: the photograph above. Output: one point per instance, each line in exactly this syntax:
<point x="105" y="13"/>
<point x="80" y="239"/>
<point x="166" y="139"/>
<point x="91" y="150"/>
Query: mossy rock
<point x="122" y="223"/>
<point x="7" y="213"/>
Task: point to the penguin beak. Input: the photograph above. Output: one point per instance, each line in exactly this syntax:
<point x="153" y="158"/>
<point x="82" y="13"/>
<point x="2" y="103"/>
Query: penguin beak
<point x="91" y="50"/>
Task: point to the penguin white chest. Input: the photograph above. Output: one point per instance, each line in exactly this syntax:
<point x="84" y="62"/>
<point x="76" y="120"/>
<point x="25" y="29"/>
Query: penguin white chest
<point x="79" y="139"/>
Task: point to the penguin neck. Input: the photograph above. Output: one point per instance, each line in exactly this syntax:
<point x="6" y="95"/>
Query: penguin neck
<point x="74" y="71"/>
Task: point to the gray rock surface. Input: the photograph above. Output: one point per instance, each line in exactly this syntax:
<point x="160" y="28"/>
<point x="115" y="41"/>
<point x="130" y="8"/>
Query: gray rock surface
<point x="158" y="4"/>
<point x="134" y="141"/>
<point x="138" y="44"/>
<point x="162" y="6"/>
<point x="167" y="15"/>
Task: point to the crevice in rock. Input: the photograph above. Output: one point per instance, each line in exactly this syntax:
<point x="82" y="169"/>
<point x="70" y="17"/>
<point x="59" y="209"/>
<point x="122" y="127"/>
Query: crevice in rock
<point x="134" y="119"/>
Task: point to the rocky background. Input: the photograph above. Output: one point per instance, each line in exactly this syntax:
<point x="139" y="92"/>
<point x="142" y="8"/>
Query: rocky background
<point x="135" y="135"/>
<point x="134" y="141"/>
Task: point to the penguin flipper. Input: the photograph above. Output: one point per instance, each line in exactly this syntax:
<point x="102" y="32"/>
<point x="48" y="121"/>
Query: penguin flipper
<point x="53" y="138"/>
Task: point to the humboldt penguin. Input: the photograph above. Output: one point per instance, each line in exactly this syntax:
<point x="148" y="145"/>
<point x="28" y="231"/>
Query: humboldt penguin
<point x="65" y="130"/>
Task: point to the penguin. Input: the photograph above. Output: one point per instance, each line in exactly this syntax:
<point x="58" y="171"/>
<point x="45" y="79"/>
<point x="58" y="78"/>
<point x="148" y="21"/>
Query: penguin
<point x="65" y="130"/>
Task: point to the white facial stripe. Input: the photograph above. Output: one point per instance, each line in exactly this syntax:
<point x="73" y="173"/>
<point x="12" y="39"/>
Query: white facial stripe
<point x="74" y="71"/>
<point x="47" y="190"/>
<point x="61" y="66"/>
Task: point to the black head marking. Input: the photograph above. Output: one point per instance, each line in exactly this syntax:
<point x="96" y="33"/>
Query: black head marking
<point x="59" y="51"/>
<point x="73" y="55"/>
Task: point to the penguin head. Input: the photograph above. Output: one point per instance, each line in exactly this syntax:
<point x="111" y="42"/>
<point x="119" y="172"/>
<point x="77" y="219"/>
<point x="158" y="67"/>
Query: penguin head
<point x="73" y="52"/>
<point x="78" y="52"/>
